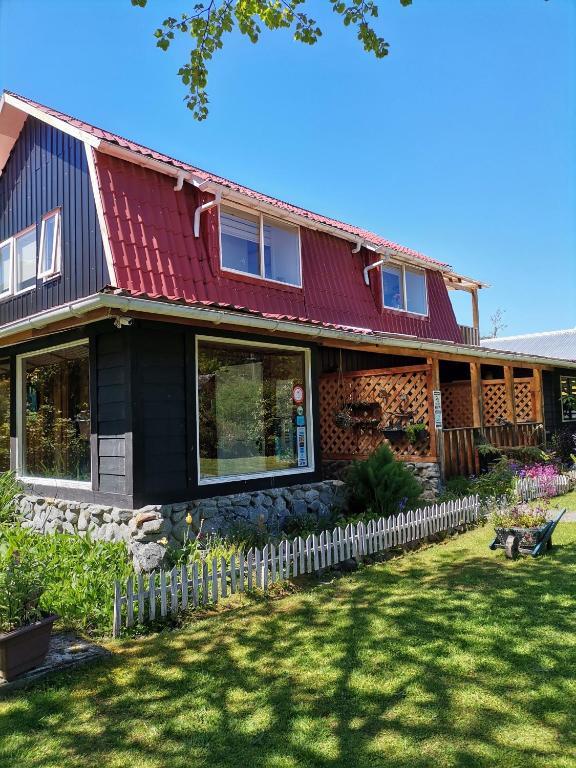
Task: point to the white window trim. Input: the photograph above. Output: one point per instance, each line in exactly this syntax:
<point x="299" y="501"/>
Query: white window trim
<point x="13" y="256"/>
<point x="10" y="243"/>
<point x="565" y="419"/>
<point x="21" y="432"/>
<point x="309" y="414"/>
<point x="403" y="269"/>
<point x="253" y="212"/>
<point x="56" y="258"/>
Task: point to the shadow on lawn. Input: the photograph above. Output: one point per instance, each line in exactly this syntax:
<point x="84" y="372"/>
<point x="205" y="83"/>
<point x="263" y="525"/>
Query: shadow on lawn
<point x="460" y="661"/>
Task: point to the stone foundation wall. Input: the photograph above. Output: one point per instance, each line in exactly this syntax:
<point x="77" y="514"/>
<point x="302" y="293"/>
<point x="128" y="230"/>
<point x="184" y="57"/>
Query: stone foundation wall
<point x="149" y="531"/>
<point x="428" y="473"/>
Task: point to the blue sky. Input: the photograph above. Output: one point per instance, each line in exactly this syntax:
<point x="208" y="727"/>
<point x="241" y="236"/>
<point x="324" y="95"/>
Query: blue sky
<point x="461" y="143"/>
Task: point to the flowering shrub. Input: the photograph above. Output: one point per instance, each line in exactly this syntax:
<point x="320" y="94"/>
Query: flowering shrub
<point x="518" y="516"/>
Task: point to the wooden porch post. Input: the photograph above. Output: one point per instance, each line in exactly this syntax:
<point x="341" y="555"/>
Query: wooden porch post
<point x="475" y="312"/>
<point x="439" y="435"/>
<point x="537" y="395"/>
<point x="510" y="401"/>
<point x="476" y="392"/>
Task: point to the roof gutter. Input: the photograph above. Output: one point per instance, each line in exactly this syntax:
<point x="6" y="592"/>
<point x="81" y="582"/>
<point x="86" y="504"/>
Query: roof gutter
<point x="127" y="304"/>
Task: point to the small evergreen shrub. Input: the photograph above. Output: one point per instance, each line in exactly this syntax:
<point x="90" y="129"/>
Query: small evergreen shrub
<point x="381" y="486"/>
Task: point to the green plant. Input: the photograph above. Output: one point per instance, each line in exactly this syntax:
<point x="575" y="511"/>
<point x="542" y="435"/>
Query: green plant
<point x="9" y="488"/>
<point x="300" y="525"/>
<point x="456" y="488"/>
<point x="381" y="486"/>
<point x="21" y="587"/>
<point x="415" y="431"/>
<point x="497" y="483"/>
<point x="78" y="573"/>
<point x="563" y="443"/>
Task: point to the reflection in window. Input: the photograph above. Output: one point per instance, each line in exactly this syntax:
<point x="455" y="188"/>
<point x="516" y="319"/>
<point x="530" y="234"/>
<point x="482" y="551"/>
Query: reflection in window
<point x="405" y="289"/>
<point x="275" y="257"/>
<point x="5" y="267"/>
<point x="25" y="256"/>
<point x="57" y="414"/>
<point x="251" y="409"/>
<point x="4" y="415"/>
<point x="568" y="397"/>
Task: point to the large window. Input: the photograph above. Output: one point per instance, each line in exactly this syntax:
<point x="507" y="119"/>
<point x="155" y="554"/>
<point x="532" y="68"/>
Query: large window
<point x="568" y="397"/>
<point x="54" y="430"/>
<point x="404" y="289"/>
<point x="253" y="409"/>
<point x="4" y="415"/>
<point x="257" y="245"/>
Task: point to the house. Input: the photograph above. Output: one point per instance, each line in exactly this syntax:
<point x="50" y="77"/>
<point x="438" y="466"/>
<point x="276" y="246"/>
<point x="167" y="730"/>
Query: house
<point x="559" y="384"/>
<point x="167" y="334"/>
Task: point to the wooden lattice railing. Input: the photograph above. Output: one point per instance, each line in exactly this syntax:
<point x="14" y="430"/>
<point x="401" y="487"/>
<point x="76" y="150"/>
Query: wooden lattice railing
<point x="457" y="402"/>
<point x="356" y="408"/>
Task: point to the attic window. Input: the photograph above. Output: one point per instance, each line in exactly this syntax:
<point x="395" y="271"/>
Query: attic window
<point x="254" y="244"/>
<point x="404" y="289"/>
<point x="49" y="261"/>
<point x="25" y="260"/>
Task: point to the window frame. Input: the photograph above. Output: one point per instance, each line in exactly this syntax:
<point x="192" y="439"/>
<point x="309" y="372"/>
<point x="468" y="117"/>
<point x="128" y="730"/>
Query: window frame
<point x="261" y="215"/>
<point x="309" y="412"/>
<point x="572" y="384"/>
<point x="403" y="268"/>
<point x="20" y="423"/>
<point x="13" y="257"/>
<point x="56" y="259"/>
<point x="10" y="243"/>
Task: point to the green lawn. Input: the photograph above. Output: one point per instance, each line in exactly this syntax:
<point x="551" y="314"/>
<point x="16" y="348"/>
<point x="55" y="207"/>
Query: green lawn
<point x="450" y="656"/>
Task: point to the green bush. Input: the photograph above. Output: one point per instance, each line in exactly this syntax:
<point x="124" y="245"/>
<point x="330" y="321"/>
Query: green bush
<point x="456" y="488"/>
<point x="381" y="485"/>
<point x="21" y="587"/>
<point x="9" y="487"/>
<point x="77" y="574"/>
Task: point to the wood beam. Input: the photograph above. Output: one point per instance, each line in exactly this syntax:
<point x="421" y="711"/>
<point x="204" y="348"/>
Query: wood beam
<point x="476" y="394"/>
<point x="537" y="393"/>
<point x="475" y="312"/>
<point x="436" y="435"/>
<point x="510" y="399"/>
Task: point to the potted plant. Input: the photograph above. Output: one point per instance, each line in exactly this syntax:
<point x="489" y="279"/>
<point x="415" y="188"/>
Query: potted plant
<point x="518" y="527"/>
<point x="416" y="432"/>
<point x="24" y="629"/>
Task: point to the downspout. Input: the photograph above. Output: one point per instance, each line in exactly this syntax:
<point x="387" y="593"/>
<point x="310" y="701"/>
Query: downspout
<point x="201" y="209"/>
<point x="357" y="247"/>
<point x="373" y="266"/>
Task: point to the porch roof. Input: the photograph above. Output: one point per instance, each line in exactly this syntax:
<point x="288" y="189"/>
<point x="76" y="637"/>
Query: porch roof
<point x="115" y="304"/>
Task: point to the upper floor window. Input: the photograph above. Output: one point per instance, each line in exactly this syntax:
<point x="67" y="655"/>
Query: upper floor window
<point x="25" y="260"/>
<point x="404" y="289"/>
<point x="568" y="397"/>
<point x="49" y="257"/>
<point x="5" y="264"/>
<point x="254" y="244"/>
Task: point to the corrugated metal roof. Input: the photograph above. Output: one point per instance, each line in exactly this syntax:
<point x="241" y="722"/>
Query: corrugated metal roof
<point x="557" y="344"/>
<point x="156" y="254"/>
<point x="113" y="138"/>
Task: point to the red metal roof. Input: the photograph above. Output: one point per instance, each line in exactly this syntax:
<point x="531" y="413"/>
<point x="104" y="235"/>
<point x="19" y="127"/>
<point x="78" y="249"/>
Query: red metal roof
<point x="155" y="254"/>
<point x="114" y="138"/>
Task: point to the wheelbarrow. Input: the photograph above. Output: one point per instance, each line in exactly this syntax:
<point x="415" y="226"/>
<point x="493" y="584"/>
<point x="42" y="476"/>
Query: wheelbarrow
<point x="526" y="541"/>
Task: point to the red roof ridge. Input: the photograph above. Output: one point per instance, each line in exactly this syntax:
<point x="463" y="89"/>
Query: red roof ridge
<point x="103" y="134"/>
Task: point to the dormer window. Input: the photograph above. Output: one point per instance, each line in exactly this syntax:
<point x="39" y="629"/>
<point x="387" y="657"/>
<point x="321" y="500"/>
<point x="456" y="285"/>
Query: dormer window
<point x="49" y="259"/>
<point x="254" y="244"/>
<point x="404" y="289"/>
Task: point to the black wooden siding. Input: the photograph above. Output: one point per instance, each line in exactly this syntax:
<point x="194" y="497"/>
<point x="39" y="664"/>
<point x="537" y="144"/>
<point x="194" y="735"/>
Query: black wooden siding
<point x="48" y="169"/>
<point x="113" y="412"/>
<point x="161" y="412"/>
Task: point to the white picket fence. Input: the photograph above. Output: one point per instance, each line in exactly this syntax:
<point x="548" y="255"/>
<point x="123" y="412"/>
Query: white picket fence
<point x="147" y="598"/>
<point x="529" y="488"/>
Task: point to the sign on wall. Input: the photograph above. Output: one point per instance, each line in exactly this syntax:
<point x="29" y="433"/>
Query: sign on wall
<point x="301" y="446"/>
<point x="437" y="399"/>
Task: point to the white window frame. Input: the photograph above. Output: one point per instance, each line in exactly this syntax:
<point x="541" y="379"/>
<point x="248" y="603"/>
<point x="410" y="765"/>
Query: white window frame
<point x="254" y="212"/>
<point x="16" y="237"/>
<point x="566" y="420"/>
<point x="403" y="269"/>
<point x="224" y="340"/>
<point x="56" y="258"/>
<point x="10" y="243"/>
<point x="20" y="426"/>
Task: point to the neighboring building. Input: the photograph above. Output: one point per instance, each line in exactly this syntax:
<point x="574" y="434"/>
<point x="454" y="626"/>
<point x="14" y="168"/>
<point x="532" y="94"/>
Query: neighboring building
<point x="168" y="334"/>
<point x="559" y="385"/>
